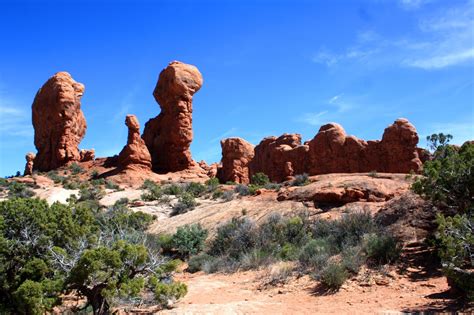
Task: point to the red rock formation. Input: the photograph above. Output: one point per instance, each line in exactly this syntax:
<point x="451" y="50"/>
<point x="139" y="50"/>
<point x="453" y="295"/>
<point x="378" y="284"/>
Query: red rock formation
<point x="135" y="154"/>
<point x="58" y="121"/>
<point x="236" y="155"/>
<point x="280" y="158"/>
<point x="30" y="157"/>
<point x="333" y="151"/>
<point x="87" y="155"/>
<point x="169" y="135"/>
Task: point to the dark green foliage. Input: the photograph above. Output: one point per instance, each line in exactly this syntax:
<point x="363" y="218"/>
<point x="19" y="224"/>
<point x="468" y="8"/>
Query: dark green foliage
<point x="448" y="181"/>
<point x="173" y="189"/>
<point x="234" y="238"/>
<point x="76" y="168"/>
<point x="195" y="189"/>
<point x="153" y="191"/>
<point x="456" y="250"/>
<point x="47" y="251"/>
<point x="315" y="253"/>
<point x="333" y="276"/>
<point x="212" y="184"/>
<point x="300" y="180"/>
<point x="19" y="190"/>
<point x="196" y="263"/>
<point x="381" y="248"/>
<point x="111" y="185"/>
<point x="438" y="143"/>
<point x="55" y="177"/>
<point x="260" y="179"/>
<point x="186" y="202"/>
<point x="217" y="194"/>
<point x="189" y="240"/>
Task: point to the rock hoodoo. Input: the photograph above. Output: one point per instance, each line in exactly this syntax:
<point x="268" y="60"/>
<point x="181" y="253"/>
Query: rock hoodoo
<point x="30" y="157"/>
<point x="135" y="154"/>
<point x="236" y="155"/>
<point x="58" y="122"/>
<point x="169" y="135"/>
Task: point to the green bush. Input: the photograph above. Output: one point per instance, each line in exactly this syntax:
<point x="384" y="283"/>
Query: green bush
<point x="234" y="238"/>
<point x="382" y="249"/>
<point x="169" y="291"/>
<point x="315" y="254"/>
<point x="189" y="240"/>
<point x="300" y="180"/>
<point x="153" y="191"/>
<point x="55" y="177"/>
<point x="212" y="184"/>
<point x="186" y="202"/>
<point x="111" y="185"/>
<point x="242" y="190"/>
<point x="76" y="168"/>
<point x="19" y="190"/>
<point x="228" y="195"/>
<point x="353" y="257"/>
<point x="173" y="189"/>
<point x="260" y="179"/>
<point x="217" y="194"/>
<point x="333" y="276"/>
<point x="195" y="189"/>
<point x="197" y="262"/>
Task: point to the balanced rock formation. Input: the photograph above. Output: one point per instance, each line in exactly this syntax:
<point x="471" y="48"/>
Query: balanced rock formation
<point x="236" y="155"/>
<point x="30" y="157"/>
<point x="135" y="154"/>
<point x="280" y="158"/>
<point x="169" y="135"/>
<point x="58" y="122"/>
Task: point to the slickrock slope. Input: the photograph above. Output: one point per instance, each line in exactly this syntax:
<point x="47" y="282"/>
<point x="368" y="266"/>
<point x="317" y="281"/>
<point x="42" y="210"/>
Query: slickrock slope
<point x="169" y="135"/>
<point x="135" y="154"/>
<point x="236" y="155"/>
<point x="58" y="122"/>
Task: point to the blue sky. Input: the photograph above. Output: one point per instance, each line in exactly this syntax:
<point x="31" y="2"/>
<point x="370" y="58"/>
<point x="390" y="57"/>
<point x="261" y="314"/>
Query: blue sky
<point x="269" y="67"/>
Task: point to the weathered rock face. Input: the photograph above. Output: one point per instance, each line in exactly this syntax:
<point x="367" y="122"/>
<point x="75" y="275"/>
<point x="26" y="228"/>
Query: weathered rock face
<point x="135" y="154"/>
<point x="236" y="155"/>
<point x="333" y="151"/>
<point x="87" y="155"/>
<point x="169" y="135"/>
<point x="58" y="122"/>
<point x="30" y="157"/>
<point x="280" y="158"/>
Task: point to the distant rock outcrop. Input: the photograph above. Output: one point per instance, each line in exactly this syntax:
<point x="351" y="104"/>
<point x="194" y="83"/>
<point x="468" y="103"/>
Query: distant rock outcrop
<point x="87" y="155"/>
<point x="135" y="154"/>
<point x="236" y="155"/>
<point x="169" y="135"/>
<point x="280" y="158"/>
<point x="333" y="151"/>
<point x="58" y="122"/>
<point x="30" y="157"/>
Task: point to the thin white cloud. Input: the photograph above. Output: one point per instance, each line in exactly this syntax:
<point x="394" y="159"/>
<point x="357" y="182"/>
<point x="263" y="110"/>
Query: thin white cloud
<point x="443" y="39"/>
<point x="314" y="119"/>
<point x="14" y="121"/>
<point x="223" y="135"/>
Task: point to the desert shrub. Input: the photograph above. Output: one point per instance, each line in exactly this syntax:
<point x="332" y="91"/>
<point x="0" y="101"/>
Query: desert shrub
<point x="333" y="276"/>
<point x="315" y="254"/>
<point x="165" y="242"/>
<point x="228" y="195"/>
<point x="289" y="252"/>
<point x="173" y="189"/>
<point x="195" y="189"/>
<point x="456" y="250"/>
<point x="300" y="180"/>
<point x="242" y="190"/>
<point x="253" y="189"/>
<point x="94" y="174"/>
<point x="197" y="262"/>
<point x="260" y="179"/>
<point x="212" y="184"/>
<point x="230" y="183"/>
<point x="186" y="202"/>
<point x="277" y="231"/>
<point x="279" y="273"/>
<point x="353" y="257"/>
<point x="71" y="185"/>
<point x="47" y="251"/>
<point x="254" y="258"/>
<point x="166" y="291"/>
<point x="19" y="190"/>
<point x="111" y="185"/>
<point x="93" y="193"/>
<point x="153" y="191"/>
<point x="272" y="186"/>
<point x="381" y="248"/>
<point x="55" y="177"/>
<point x="3" y="182"/>
<point x="217" y="194"/>
<point x="98" y="182"/>
<point x="448" y="180"/>
<point x="373" y="174"/>
<point x="76" y="168"/>
<point x="189" y="240"/>
<point x="234" y="238"/>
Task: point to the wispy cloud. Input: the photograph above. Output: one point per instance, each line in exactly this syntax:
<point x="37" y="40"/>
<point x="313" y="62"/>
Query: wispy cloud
<point x="14" y="121"/>
<point x="314" y="119"/>
<point x="443" y="39"/>
<point x="223" y="135"/>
